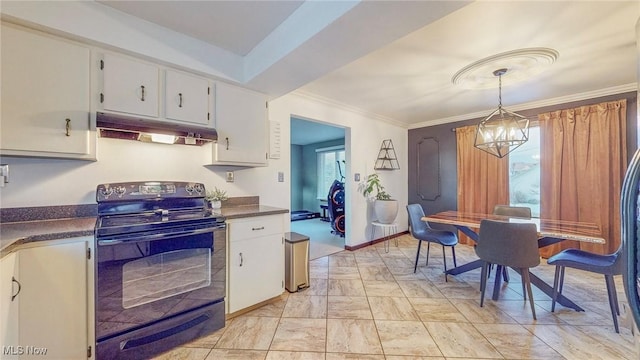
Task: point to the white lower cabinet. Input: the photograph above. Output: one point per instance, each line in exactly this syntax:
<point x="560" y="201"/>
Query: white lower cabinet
<point x="44" y="301"/>
<point x="255" y="260"/>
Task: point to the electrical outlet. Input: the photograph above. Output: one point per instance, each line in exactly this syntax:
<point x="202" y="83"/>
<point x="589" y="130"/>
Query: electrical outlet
<point x="230" y="176"/>
<point x="356" y="177"/>
<point x="280" y="176"/>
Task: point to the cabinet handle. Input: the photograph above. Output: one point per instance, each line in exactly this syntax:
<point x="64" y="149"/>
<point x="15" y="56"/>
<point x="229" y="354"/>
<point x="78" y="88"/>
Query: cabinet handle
<point x="19" y="288"/>
<point x="68" y="126"/>
<point x="227" y="143"/>
<point x="241" y="259"/>
<point x="180" y="96"/>
<point x="258" y="228"/>
<point x="142" y="87"/>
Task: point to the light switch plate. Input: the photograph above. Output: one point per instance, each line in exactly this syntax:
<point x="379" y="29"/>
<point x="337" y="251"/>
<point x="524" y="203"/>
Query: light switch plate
<point x="230" y="176"/>
<point x="356" y="177"/>
<point x="280" y="176"/>
<point x="4" y="174"/>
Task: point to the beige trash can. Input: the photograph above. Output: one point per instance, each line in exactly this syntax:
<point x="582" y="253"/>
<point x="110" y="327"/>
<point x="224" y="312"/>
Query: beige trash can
<point x="296" y="252"/>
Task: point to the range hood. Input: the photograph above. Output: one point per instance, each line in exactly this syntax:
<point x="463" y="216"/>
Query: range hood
<point x="133" y="128"/>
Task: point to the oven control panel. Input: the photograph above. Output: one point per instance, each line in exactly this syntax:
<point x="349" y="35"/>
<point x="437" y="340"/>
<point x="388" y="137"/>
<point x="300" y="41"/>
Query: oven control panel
<point x="149" y="190"/>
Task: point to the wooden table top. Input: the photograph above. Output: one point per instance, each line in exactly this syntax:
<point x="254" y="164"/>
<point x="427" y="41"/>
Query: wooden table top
<point x="571" y="230"/>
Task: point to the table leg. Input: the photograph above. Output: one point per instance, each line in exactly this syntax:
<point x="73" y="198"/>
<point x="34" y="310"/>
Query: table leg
<point x="476" y="264"/>
<point x="467" y="231"/>
<point x="548" y="289"/>
<point x="535" y="281"/>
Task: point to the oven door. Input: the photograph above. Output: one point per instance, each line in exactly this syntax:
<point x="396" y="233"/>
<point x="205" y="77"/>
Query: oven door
<point x="140" y="282"/>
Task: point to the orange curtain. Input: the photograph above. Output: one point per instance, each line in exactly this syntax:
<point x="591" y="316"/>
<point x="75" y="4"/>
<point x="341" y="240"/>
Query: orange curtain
<point x="583" y="162"/>
<point x="483" y="179"/>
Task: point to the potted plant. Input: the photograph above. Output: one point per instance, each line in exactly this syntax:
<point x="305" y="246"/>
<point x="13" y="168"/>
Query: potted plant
<point x="385" y="208"/>
<point x="215" y="197"/>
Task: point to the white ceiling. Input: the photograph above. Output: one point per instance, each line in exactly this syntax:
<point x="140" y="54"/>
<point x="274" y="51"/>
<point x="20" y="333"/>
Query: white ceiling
<point x="395" y="59"/>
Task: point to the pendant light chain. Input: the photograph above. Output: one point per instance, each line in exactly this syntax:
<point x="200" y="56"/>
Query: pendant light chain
<point x="500" y="91"/>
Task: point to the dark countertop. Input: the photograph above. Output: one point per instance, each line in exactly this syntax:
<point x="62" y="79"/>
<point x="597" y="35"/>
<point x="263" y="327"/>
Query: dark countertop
<point x="16" y="233"/>
<point x="235" y="212"/>
<point x="13" y="234"/>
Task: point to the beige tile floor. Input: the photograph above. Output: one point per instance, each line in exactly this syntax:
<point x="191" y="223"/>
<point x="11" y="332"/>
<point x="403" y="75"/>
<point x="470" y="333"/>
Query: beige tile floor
<point x="368" y="304"/>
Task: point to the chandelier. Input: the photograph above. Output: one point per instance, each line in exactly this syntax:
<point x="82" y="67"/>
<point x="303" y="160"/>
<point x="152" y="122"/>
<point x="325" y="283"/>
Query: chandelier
<point x="502" y="131"/>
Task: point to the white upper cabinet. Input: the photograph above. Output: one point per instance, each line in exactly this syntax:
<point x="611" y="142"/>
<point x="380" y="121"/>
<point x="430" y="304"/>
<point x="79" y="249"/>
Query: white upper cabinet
<point x="187" y="97"/>
<point x="241" y="123"/>
<point x="45" y="96"/>
<point x="129" y="86"/>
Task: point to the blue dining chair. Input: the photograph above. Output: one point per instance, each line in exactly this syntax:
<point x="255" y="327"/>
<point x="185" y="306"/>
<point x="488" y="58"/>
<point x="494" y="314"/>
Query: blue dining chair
<point x="607" y="265"/>
<point x="511" y="211"/>
<point x="515" y="211"/>
<point x="508" y="244"/>
<point x="423" y="232"/>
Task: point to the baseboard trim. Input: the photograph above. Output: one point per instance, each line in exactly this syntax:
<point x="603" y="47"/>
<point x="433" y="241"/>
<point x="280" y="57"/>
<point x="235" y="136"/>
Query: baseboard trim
<point x="373" y="242"/>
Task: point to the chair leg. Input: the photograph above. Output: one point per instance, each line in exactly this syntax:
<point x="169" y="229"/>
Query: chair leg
<point x="428" y="249"/>
<point x="505" y="274"/>
<point x="483" y="281"/>
<point x="524" y="292"/>
<point x="453" y="251"/>
<point x="444" y="259"/>
<point x="415" y="267"/>
<point x="615" y="295"/>
<point x="613" y="300"/>
<point x="556" y="282"/>
<point x="496" y="284"/>
<point x="527" y="280"/>
<point x="561" y="286"/>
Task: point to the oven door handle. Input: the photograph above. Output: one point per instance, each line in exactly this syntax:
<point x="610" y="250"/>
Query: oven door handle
<point x="155" y="237"/>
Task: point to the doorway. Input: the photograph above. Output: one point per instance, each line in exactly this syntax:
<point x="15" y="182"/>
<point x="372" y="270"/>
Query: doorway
<point x="318" y="161"/>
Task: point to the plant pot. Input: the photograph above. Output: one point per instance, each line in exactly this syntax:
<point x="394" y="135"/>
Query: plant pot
<point x="215" y="204"/>
<point x="386" y="210"/>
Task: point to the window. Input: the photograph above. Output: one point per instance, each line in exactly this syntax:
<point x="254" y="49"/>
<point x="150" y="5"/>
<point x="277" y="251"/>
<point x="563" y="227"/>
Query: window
<point x="330" y="166"/>
<point x="524" y="173"/>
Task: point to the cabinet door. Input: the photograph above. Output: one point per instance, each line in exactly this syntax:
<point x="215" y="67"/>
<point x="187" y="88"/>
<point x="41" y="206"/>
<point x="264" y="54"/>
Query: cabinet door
<point x="53" y="299"/>
<point x="241" y="122"/>
<point x="45" y="94"/>
<point x="130" y="86"/>
<point x="256" y="271"/>
<point x="186" y="97"/>
<point x="9" y="305"/>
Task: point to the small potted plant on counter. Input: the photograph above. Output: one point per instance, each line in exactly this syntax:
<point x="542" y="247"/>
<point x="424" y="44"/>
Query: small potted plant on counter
<point x="385" y="208"/>
<point x="215" y="197"/>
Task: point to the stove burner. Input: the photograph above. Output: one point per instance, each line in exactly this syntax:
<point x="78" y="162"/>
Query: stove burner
<point x="150" y="207"/>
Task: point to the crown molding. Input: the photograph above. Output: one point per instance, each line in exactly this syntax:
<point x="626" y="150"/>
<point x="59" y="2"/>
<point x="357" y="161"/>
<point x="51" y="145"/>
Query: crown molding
<point x="533" y="105"/>
<point x="353" y="109"/>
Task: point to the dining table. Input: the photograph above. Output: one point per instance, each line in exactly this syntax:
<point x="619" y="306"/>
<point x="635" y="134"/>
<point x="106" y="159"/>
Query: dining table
<point x="550" y="231"/>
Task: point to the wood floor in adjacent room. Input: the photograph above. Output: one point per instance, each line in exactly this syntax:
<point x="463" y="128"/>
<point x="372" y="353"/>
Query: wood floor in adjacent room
<point x="368" y="304"/>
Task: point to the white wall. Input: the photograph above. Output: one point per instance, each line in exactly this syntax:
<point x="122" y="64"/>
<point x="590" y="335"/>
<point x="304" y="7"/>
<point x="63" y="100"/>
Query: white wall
<point x="363" y="137"/>
<point x="47" y="182"/>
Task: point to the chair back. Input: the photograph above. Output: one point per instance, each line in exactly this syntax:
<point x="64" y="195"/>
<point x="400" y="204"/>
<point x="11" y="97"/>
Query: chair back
<point x="417" y="227"/>
<point x="517" y="211"/>
<point x="618" y="266"/>
<point x="510" y="244"/>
